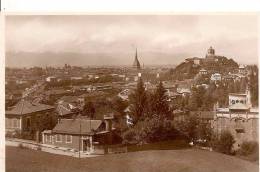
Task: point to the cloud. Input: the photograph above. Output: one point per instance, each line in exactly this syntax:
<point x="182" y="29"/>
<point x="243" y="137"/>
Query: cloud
<point x="231" y="35"/>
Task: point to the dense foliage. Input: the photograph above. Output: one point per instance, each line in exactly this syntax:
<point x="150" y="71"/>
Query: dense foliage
<point x="224" y="143"/>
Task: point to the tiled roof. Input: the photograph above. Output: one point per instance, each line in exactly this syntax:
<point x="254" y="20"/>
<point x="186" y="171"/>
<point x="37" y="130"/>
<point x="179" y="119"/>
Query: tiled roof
<point x="237" y="94"/>
<point x="93" y="94"/>
<point x="69" y="99"/>
<point x="64" y="109"/>
<point x="26" y="107"/>
<point x="77" y="126"/>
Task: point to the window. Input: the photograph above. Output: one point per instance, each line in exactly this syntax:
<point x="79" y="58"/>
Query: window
<point x="48" y="138"/>
<point x="68" y="138"/>
<point x="16" y="123"/>
<point x="58" y="138"/>
<point x="28" y="122"/>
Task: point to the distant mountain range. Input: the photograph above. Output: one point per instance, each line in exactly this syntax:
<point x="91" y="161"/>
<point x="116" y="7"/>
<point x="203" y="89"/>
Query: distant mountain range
<point x="29" y="59"/>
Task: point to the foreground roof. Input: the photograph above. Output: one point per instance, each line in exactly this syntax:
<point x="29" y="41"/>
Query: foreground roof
<point x="27" y="107"/>
<point x="77" y="126"/>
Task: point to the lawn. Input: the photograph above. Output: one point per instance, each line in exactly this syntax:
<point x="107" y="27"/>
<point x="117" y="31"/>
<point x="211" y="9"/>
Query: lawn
<point x="185" y="160"/>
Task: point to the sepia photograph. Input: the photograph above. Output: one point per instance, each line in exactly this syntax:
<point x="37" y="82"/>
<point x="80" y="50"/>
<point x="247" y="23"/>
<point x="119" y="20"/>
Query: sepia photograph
<point x="132" y="92"/>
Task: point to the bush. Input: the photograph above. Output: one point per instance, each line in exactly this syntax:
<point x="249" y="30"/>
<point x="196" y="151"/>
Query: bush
<point x="21" y="146"/>
<point x="247" y="148"/>
<point x="150" y="130"/>
<point x="129" y="136"/>
<point x="224" y="143"/>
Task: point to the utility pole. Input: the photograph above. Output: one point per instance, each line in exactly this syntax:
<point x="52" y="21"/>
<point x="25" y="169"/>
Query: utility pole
<point x="79" y="135"/>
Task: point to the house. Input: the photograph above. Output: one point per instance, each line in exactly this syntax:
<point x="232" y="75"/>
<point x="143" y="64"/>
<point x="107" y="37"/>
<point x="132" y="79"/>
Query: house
<point x="183" y="91"/>
<point x="51" y="79"/>
<point x="23" y="117"/>
<point x="203" y="72"/>
<point x="195" y="60"/>
<point x="242" y="70"/>
<point x="240" y="118"/>
<point x="84" y="135"/>
<point x="124" y="94"/>
<point x="66" y="109"/>
<point x="215" y="77"/>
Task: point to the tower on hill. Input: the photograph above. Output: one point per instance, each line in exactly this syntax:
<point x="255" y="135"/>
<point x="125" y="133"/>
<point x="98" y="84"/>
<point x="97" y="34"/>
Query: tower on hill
<point x="136" y="63"/>
<point x="210" y="52"/>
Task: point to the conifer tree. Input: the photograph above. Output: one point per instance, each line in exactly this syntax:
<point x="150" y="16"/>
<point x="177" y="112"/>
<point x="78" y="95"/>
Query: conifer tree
<point x="160" y="106"/>
<point x="89" y="109"/>
<point x="138" y="102"/>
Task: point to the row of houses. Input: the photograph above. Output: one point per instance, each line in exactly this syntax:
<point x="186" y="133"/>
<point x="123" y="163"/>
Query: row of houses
<point x="93" y="136"/>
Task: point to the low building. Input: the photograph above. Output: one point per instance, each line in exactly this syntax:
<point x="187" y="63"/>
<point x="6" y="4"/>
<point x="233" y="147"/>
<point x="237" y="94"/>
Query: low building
<point x="215" y="77"/>
<point x="194" y="60"/>
<point x="22" y="118"/>
<point x="51" y="79"/>
<point x="239" y="118"/>
<point x="242" y="70"/>
<point x="184" y="91"/>
<point x="84" y="135"/>
<point x="203" y="72"/>
<point x="124" y="94"/>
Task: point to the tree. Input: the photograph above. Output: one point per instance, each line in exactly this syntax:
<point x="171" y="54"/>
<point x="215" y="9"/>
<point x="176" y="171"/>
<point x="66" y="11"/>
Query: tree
<point x="196" y="100"/>
<point x="89" y="109"/>
<point x="119" y="105"/>
<point x="159" y="104"/>
<point x="138" y="102"/>
<point x="253" y="85"/>
<point x="189" y="127"/>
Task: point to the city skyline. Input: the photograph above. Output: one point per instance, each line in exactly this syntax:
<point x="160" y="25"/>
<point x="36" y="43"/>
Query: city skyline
<point x="112" y="39"/>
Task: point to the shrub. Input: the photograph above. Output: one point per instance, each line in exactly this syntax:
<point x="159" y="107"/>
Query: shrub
<point x="20" y="145"/>
<point x="150" y="130"/>
<point x="247" y="148"/>
<point x="224" y="143"/>
<point x="129" y="136"/>
<point x="38" y="148"/>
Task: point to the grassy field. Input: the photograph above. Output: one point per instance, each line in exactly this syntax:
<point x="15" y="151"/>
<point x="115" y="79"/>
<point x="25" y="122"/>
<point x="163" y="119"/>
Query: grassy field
<point x="186" y="160"/>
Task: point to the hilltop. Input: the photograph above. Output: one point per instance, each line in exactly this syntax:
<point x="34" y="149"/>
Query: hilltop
<point x="212" y="63"/>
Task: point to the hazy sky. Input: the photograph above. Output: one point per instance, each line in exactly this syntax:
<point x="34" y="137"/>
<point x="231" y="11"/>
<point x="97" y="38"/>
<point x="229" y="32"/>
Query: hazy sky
<point x="160" y="39"/>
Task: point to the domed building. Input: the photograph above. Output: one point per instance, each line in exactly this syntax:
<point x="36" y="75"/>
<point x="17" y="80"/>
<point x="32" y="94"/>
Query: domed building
<point x="210" y="56"/>
<point x="211" y="52"/>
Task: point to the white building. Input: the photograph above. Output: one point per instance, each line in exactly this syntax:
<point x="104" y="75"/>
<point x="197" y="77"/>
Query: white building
<point x="239" y="118"/>
<point x="215" y="77"/>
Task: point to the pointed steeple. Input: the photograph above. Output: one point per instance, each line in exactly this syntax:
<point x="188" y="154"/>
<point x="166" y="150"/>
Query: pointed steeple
<point x="136" y="63"/>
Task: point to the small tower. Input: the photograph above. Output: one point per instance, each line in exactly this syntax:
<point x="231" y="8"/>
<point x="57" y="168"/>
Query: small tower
<point x="136" y="63"/>
<point x="210" y="53"/>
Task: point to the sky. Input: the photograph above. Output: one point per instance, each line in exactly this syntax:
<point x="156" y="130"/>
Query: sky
<point x="112" y="39"/>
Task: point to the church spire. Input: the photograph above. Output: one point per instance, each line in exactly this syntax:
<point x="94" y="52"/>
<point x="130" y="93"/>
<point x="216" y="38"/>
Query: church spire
<point x="136" y="63"/>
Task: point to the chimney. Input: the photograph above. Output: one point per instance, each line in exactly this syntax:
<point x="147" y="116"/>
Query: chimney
<point x="108" y="121"/>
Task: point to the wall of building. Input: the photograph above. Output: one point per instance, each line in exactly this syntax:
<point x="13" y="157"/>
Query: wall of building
<point x="237" y="99"/>
<point x="249" y="128"/>
<point x="12" y="123"/>
<point x="51" y="139"/>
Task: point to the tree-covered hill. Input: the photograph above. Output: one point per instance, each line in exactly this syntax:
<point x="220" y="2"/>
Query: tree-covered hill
<point x="188" y="69"/>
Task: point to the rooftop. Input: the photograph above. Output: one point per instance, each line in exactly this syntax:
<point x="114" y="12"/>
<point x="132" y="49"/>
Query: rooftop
<point x="77" y="126"/>
<point x="27" y="107"/>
